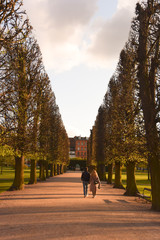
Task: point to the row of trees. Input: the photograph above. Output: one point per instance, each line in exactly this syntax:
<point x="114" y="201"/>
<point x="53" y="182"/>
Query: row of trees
<point x="126" y="130"/>
<point x="30" y="122"/>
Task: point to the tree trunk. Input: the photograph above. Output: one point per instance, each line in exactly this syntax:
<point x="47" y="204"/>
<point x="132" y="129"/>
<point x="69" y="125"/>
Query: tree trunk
<point x="55" y="169"/>
<point x="148" y="169"/>
<point x="52" y="170"/>
<point x="33" y="176"/>
<point x="101" y="172"/>
<point x="65" y="168"/>
<point x="155" y="181"/>
<point x="118" y="181"/>
<point x="131" y="189"/>
<point x="154" y="163"/>
<point x="47" y="170"/>
<point x="18" y="183"/>
<point x="61" y="169"/>
<point x="110" y="173"/>
<point x="58" y="169"/>
<point x="2" y="167"/>
<point x="42" y="176"/>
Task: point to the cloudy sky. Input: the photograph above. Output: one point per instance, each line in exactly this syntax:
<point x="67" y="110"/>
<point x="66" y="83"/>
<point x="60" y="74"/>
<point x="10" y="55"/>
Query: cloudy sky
<point x="80" y="41"/>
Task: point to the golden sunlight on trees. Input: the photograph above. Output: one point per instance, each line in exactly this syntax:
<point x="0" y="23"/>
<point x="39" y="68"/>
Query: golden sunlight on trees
<point x="131" y="103"/>
<point x="30" y="123"/>
<point x="146" y="26"/>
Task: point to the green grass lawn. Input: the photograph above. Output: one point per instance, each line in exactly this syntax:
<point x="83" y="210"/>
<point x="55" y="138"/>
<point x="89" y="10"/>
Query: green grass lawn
<point x="6" y="178"/>
<point x="141" y="180"/>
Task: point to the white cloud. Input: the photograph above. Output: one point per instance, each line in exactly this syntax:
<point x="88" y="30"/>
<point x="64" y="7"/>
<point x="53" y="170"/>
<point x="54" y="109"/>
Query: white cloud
<point x="109" y="36"/>
<point x="127" y="4"/>
<point x="68" y="33"/>
<point x="71" y="13"/>
<point x="60" y="26"/>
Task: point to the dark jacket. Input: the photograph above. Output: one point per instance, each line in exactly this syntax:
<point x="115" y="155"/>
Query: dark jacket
<point x="85" y="176"/>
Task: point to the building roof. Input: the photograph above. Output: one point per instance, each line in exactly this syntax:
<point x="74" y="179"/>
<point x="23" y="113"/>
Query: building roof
<point x="80" y="138"/>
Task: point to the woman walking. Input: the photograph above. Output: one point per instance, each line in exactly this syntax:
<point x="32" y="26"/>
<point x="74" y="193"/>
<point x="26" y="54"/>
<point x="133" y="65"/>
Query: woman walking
<point x="94" y="179"/>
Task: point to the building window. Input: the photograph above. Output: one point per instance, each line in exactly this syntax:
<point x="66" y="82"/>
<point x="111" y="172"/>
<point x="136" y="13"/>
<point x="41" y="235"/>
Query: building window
<point x="81" y="153"/>
<point x="81" y="148"/>
<point x="78" y="148"/>
<point x="81" y="143"/>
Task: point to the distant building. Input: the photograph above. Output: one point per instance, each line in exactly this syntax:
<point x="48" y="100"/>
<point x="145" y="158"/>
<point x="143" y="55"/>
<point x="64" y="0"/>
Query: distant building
<point x="72" y="149"/>
<point x="78" y="147"/>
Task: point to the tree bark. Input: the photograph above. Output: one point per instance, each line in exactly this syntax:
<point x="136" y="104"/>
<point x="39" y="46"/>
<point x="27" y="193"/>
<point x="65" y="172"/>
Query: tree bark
<point x="118" y="181"/>
<point x="148" y="169"/>
<point x="101" y="172"/>
<point x="58" y="169"/>
<point x="131" y="189"/>
<point x="65" y="168"/>
<point x="42" y="176"/>
<point x="47" y="170"/>
<point x="110" y="173"/>
<point x="33" y="175"/>
<point x="2" y="166"/>
<point x="61" y="169"/>
<point x="52" y="170"/>
<point x="55" y="169"/>
<point x="155" y="181"/>
<point x="18" y="183"/>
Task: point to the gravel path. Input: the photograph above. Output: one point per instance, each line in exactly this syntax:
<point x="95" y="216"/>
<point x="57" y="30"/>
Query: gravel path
<point x="56" y="209"/>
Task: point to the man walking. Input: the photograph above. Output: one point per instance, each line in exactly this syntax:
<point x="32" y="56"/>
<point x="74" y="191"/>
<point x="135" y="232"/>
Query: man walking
<point x="85" y="178"/>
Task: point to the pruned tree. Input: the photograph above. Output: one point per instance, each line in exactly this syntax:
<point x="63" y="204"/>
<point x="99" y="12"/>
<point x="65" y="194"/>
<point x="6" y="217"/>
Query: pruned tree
<point x="116" y="136"/>
<point x="16" y="89"/>
<point x="109" y="158"/>
<point x="91" y="157"/>
<point x="30" y="122"/>
<point x="146" y="27"/>
<point x="100" y="130"/>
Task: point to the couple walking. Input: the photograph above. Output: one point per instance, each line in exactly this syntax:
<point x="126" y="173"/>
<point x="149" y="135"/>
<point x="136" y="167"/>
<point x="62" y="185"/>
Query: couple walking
<point x="91" y="179"/>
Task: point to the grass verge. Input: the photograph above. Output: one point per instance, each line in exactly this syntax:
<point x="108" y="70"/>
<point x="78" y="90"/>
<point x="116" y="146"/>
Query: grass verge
<point x="141" y="180"/>
<point x="6" y="178"/>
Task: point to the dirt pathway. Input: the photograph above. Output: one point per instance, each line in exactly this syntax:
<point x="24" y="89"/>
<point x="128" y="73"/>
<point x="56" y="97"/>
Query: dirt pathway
<point x="56" y="209"/>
